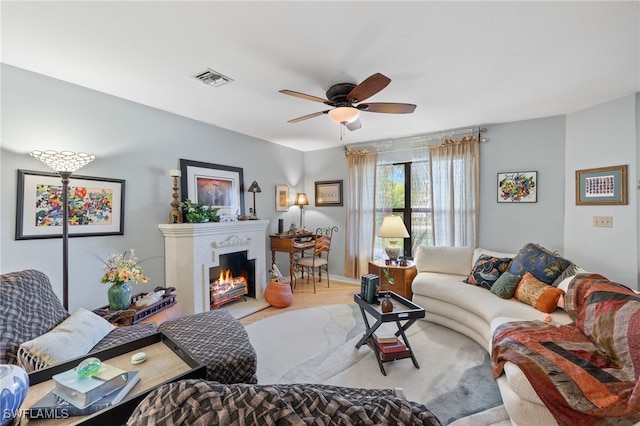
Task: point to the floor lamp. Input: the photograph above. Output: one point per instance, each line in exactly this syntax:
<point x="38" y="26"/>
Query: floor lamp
<point x="64" y="163"/>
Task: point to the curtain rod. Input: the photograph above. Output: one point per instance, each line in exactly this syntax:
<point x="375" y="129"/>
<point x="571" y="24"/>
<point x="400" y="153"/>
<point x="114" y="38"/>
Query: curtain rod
<point x="416" y="141"/>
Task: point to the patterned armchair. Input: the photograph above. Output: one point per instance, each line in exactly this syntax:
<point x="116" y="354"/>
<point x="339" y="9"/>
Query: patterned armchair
<point x="29" y="308"/>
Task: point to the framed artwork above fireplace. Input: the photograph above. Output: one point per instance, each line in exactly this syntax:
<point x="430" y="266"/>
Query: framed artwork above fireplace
<point x="213" y="185"/>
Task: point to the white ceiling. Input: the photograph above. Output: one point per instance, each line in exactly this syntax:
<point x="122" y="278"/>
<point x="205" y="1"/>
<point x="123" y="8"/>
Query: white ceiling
<point x="461" y="63"/>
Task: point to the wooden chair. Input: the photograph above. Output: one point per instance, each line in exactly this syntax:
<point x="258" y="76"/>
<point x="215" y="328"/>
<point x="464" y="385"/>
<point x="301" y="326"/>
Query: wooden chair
<point x="319" y="258"/>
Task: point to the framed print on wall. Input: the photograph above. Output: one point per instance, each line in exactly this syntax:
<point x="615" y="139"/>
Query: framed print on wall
<point x="601" y="186"/>
<point x="213" y="185"/>
<point x="96" y="206"/>
<point x="282" y="198"/>
<point x="518" y="187"/>
<point x="328" y="193"/>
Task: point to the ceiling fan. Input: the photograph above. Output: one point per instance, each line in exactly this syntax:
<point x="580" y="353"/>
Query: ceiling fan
<point x="344" y="96"/>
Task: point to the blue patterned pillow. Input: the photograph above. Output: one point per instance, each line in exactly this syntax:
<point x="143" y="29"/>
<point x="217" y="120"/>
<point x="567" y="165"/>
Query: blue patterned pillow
<point x="487" y="270"/>
<point x="539" y="262"/>
<point x="505" y="285"/>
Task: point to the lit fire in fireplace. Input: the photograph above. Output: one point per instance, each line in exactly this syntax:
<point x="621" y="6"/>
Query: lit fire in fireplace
<point x="227" y="288"/>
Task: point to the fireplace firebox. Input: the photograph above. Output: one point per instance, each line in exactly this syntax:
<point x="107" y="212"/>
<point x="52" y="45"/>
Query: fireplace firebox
<point x="232" y="279"/>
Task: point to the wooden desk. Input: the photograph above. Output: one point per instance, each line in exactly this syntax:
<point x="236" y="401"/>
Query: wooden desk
<point x="290" y="243"/>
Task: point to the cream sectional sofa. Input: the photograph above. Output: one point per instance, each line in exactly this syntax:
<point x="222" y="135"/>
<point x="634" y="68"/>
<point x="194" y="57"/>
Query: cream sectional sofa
<point x="476" y="312"/>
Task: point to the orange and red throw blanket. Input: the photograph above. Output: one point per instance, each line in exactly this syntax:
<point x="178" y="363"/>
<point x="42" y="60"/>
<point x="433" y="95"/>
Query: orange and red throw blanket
<point x="586" y="373"/>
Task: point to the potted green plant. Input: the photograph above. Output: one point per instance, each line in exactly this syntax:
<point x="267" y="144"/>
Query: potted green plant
<point x="198" y="212"/>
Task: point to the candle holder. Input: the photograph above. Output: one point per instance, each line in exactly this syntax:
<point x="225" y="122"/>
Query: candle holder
<point x="176" y="215"/>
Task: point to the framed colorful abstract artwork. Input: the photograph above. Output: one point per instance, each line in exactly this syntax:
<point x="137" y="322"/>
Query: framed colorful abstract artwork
<point x="601" y="186"/>
<point x="96" y="206"/>
<point x="213" y="185"/>
<point x="518" y="187"/>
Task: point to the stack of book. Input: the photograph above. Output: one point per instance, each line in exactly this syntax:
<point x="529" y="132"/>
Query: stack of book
<point x="369" y="285"/>
<point x="75" y="396"/>
<point x="390" y="347"/>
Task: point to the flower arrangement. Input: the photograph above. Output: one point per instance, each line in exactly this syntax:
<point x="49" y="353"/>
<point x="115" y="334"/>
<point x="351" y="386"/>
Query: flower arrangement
<point x="120" y="268"/>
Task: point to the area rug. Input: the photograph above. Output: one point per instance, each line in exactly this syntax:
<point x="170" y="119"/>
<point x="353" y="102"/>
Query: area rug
<point x="317" y="345"/>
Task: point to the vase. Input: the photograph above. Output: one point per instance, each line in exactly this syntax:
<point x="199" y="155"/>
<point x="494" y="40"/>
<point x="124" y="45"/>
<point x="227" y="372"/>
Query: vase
<point x="278" y="294"/>
<point x="119" y="296"/>
<point x="14" y="383"/>
<point x="387" y="304"/>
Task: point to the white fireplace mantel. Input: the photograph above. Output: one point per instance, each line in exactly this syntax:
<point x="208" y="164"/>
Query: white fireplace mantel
<point x="191" y="249"/>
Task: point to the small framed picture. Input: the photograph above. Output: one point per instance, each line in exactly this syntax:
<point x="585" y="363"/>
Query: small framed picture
<point x="601" y="186"/>
<point x="518" y="187"/>
<point x="95" y="206"/>
<point x="282" y="198"/>
<point x="329" y="193"/>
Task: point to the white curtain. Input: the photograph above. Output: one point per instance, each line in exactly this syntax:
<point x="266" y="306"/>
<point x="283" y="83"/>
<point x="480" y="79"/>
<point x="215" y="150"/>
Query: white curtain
<point x="454" y="168"/>
<point x="360" y="205"/>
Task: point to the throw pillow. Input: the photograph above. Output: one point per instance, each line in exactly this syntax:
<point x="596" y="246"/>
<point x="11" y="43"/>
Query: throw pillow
<point x="505" y="285"/>
<point x="487" y="270"/>
<point x="72" y="338"/>
<point x="534" y="292"/>
<point x="540" y="262"/>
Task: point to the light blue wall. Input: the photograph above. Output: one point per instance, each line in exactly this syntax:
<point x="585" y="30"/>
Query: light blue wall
<point x="131" y="142"/>
<point x="601" y="136"/>
<point x="530" y="145"/>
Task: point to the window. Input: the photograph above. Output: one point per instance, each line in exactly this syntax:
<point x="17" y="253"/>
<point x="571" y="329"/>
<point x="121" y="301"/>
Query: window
<point x="403" y="189"/>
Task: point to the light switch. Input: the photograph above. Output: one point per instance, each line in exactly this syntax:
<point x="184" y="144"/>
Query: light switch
<point x="603" y="221"/>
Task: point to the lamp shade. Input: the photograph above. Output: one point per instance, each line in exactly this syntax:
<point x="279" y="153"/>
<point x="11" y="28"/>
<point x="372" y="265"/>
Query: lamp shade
<point x="63" y="161"/>
<point x="342" y="115"/>
<point x="254" y="187"/>
<point x="301" y="199"/>
<point x="393" y="227"/>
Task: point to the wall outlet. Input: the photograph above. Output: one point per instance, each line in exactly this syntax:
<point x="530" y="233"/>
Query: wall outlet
<point x="603" y="221"/>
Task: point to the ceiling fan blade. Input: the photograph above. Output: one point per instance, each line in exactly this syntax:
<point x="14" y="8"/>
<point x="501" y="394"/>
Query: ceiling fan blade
<point x="387" y="107"/>
<point x="308" y="116"/>
<point x="354" y="125"/>
<point x="368" y="87"/>
<point x="307" y="97"/>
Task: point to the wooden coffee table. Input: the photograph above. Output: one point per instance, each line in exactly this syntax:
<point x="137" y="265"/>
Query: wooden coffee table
<point x="167" y="361"/>
<point x="404" y="314"/>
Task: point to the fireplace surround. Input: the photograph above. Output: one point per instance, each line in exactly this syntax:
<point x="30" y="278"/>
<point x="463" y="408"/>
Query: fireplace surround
<point x="192" y="251"/>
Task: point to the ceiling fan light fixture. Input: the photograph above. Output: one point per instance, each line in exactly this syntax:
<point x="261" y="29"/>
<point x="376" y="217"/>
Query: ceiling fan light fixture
<point x="344" y="115"/>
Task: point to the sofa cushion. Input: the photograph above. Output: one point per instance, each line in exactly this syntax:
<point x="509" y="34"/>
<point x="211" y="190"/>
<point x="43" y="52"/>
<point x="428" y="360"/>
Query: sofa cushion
<point x="72" y="338"/>
<point x="446" y="260"/>
<point x="505" y="285"/>
<point x="540" y="262"/>
<point x="480" y="251"/>
<point x="534" y="292"/>
<point x="486" y="270"/>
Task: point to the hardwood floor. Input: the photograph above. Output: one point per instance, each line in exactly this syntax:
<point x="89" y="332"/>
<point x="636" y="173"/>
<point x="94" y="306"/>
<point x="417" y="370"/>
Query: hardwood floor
<point x="303" y="297"/>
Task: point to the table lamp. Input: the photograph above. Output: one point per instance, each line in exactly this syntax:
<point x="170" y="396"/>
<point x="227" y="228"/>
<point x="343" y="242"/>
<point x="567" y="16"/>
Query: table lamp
<point x="301" y="201"/>
<point x="254" y="188"/>
<point x="64" y="163"/>
<point x="393" y="227"/>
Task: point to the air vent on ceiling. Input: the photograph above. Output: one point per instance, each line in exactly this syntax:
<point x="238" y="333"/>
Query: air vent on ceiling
<point x="212" y="78"/>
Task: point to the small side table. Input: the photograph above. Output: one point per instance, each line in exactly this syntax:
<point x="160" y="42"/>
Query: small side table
<point x="403" y="276"/>
<point x="404" y="311"/>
